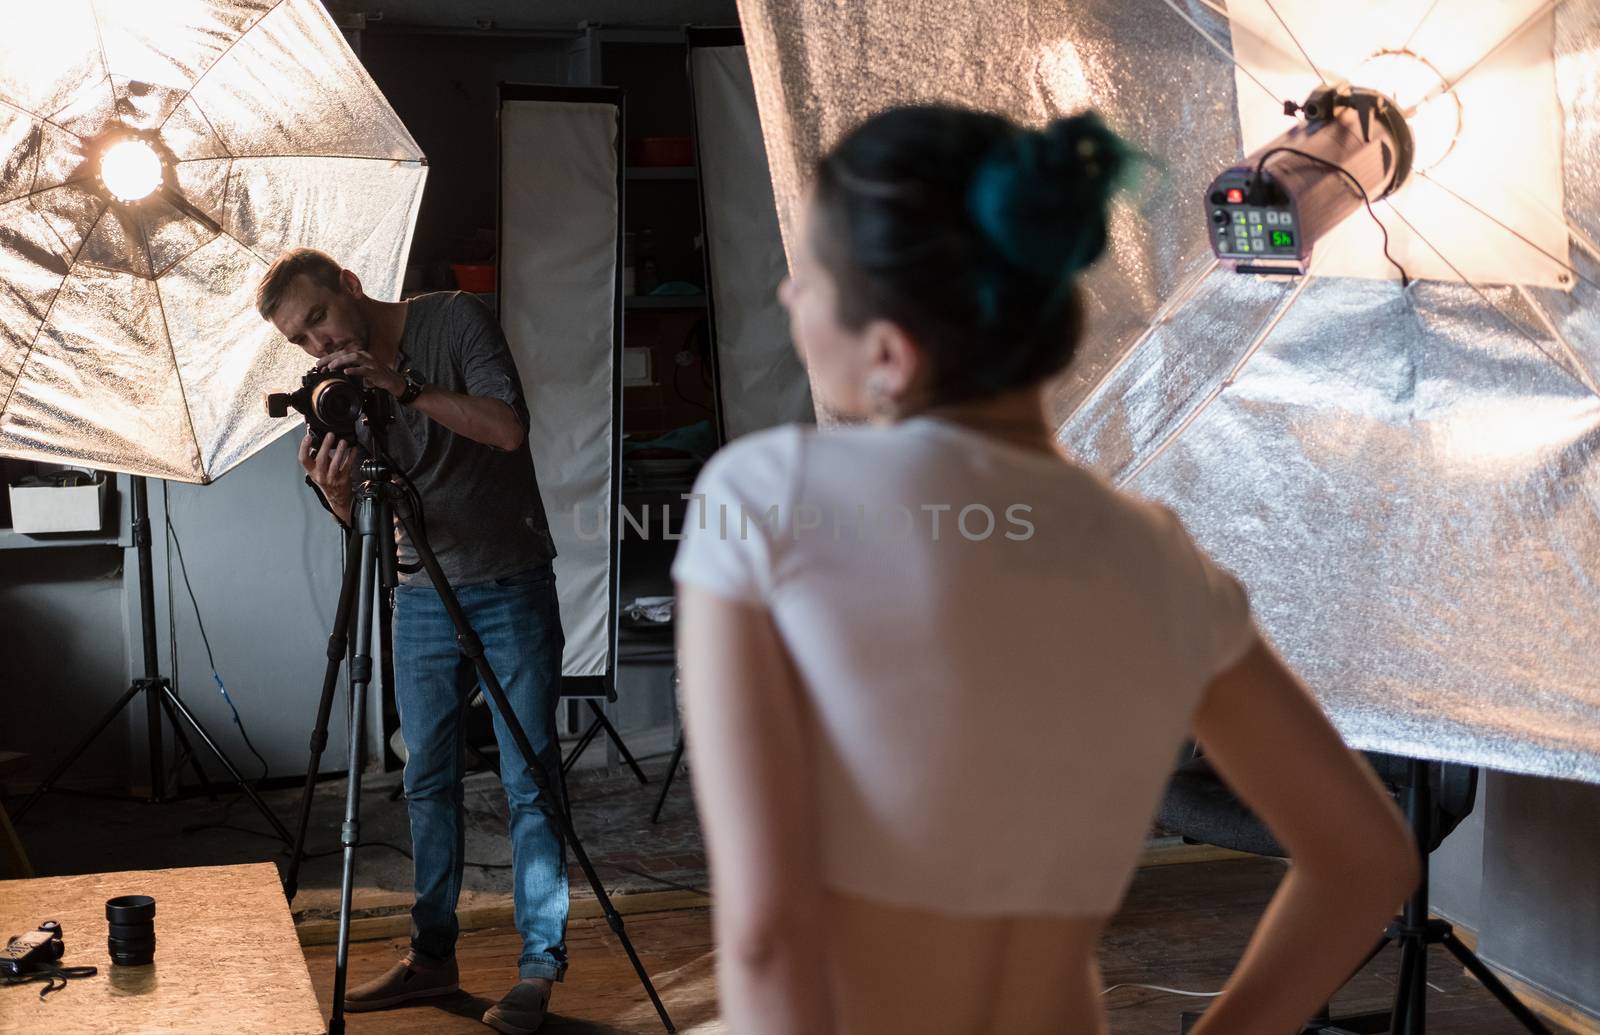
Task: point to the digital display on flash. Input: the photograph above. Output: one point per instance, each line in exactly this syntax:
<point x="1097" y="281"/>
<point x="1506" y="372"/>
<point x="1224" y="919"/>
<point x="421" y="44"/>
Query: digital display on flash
<point x="1282" y="239"/>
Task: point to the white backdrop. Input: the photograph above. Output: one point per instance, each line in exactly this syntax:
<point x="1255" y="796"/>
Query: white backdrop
<point x="559" y="225"/>
<point x="762" y="381"/>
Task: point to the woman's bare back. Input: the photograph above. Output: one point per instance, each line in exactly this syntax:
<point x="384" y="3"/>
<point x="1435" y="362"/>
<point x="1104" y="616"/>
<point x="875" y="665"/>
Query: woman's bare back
<point x="896" y="969"/>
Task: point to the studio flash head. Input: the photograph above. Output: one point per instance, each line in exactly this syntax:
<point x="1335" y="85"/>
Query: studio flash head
<point x="1352" y="147"/>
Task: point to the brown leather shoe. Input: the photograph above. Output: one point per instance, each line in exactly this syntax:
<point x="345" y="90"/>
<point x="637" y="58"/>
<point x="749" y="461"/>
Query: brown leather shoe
<point x="411" y="978"/>
<point x="523" y="1008"/>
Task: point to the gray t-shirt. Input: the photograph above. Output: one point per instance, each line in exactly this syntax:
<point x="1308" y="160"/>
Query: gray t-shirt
<point x="484" y="516"/>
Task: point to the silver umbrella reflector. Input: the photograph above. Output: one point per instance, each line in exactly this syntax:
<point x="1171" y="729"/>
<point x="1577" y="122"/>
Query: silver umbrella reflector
<point x="154" y="158"/>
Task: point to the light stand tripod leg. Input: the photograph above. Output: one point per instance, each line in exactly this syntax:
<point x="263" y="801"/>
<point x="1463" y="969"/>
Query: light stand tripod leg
<point x="580" y="747"/>
<point x="616" y="738"/>
<point x="666" y="783"/>
<point x="186" y="753"/>
<point x="77" y="750"/>
<point x="1403" y="989"/>
<point x="337" y="642"/>
<point x="1411" y="1001"/>
<point x="205" y="738"/>
<point x="473" y="649"/>
<point x="1487" y="978"/>
<point x="368" y="513"/>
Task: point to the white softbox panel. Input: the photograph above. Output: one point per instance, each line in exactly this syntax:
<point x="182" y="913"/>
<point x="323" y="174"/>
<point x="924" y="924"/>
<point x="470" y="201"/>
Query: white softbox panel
<point x="761" y="380"/>
<point x="560" y="225"/>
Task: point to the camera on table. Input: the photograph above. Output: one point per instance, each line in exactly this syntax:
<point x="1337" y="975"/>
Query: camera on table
<point x="332" y="403"/>
<point x="25" y="953"/>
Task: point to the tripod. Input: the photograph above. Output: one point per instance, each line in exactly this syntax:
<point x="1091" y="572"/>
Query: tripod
<point x="1414" y="931"/>
<point x="378" y="503"/>
<point x="159" y="696"/>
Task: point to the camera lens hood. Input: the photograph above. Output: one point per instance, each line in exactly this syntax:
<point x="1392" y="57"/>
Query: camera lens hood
<point x="131" y="909"/>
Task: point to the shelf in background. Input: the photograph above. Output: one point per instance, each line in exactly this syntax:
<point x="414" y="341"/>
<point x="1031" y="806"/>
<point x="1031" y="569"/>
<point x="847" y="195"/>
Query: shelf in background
<point x="664" y="302"/>
<point x="662" y="172"/>
<point x="10" y="540"/>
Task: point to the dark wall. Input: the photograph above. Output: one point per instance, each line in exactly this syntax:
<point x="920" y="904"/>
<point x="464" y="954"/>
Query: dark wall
<point x="444" y="89"/>
<point x="64" y="656"/>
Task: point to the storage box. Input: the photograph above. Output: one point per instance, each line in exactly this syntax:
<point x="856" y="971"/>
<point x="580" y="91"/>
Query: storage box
<point x="636" y="368"/>
<point x="58" y="508"/>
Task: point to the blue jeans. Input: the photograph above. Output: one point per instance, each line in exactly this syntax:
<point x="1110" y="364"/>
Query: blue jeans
<point x="519" y="622"/>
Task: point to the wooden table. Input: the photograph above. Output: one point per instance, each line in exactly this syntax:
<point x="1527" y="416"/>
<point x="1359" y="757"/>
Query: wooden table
<point x="227" y="959"/>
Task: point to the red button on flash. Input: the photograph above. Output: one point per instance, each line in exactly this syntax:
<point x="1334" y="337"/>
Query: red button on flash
<point x="1236" y="196"/>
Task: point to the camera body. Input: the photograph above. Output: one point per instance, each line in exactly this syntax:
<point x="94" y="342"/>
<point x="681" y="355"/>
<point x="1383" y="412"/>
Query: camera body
<point x="24" y="953"/>
<point x="333" y="403"/>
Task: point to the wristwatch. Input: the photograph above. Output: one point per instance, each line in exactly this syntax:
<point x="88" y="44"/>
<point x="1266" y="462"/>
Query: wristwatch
<point x="414" y="387"/>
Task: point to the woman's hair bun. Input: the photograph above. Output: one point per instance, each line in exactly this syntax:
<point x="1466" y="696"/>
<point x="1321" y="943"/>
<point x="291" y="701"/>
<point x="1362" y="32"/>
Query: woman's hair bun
<point x="1042" y="197"/>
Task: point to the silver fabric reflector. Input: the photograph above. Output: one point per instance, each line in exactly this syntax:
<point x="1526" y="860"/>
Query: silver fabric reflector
<point x="1406" y="482"/>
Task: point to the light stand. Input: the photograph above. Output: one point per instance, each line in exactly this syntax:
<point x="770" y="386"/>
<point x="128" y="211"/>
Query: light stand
<point x="378" y="503"/>
<point x="158" y="693"/>
<point x="1415" y="931"/>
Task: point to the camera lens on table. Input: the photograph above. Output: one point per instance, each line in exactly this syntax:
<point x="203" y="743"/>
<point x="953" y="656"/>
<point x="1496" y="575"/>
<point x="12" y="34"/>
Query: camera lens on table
<point x="132" y="922"/>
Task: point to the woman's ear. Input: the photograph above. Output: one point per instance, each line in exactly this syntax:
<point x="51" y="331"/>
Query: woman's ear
<point x="896" y="353"/>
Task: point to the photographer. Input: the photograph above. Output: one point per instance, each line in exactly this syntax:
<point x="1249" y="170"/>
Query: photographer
<point x="459" y="435"/>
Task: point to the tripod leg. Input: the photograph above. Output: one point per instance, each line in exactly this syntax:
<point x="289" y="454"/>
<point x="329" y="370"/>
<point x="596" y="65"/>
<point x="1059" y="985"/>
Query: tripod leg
<point x="1487" y="978"/>
<point x="666" y="784"/>
<point x="616" y="738"/>
<point x="580" y="747"/>
<point x="82" y="746"/>
<point x="186" y="750"/>
<point x="205" y="738"/>
<point x="337" y="640"/>
<point x="472" y="648"/>
<point x="367" y="521"/>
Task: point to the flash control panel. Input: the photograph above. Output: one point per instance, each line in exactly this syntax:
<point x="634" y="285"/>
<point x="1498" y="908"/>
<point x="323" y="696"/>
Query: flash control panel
<point x="1242" y="230"/>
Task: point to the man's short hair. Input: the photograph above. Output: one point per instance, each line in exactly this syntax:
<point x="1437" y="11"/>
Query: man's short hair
<point x="319" y="266"/>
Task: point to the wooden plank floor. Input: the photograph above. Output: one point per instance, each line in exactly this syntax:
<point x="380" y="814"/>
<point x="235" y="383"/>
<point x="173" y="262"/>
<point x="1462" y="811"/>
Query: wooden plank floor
<point x="600" y="996"/>
<point x="1181" y="926"/>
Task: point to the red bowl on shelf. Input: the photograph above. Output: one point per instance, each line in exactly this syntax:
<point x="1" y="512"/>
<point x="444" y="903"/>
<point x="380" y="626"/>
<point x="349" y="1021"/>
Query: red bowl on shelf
<point x="475" y="277"/>
<point x="655" y="152"/>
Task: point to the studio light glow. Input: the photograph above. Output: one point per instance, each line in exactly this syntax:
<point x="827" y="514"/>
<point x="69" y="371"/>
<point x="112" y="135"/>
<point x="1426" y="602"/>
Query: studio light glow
<point x="1434" y="116"/>
<point x="130" y="170"/>
<point x="1477" y="88"/>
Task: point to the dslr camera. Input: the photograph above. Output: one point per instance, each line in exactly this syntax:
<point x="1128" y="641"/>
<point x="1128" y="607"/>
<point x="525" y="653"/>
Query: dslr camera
<point x="332" y="403"/>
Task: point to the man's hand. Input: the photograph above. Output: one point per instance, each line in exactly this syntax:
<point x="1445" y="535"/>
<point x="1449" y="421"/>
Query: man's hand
<point x="330" y="470"/>
<point x="360" y="363"/>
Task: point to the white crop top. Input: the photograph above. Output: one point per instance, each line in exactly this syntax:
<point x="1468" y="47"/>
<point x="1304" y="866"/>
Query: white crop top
<point x="1002" y="654"/>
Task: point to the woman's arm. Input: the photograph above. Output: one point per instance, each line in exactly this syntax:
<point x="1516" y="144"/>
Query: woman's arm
<point x="1352" y="857"/>
<point x="750" y="748"/>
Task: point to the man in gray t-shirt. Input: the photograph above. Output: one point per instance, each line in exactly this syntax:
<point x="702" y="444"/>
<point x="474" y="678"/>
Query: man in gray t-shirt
<point x="460" y="437"/>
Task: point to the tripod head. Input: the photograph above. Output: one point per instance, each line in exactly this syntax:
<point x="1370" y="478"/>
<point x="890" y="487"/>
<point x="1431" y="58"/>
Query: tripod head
<point x="374" y="469"/>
